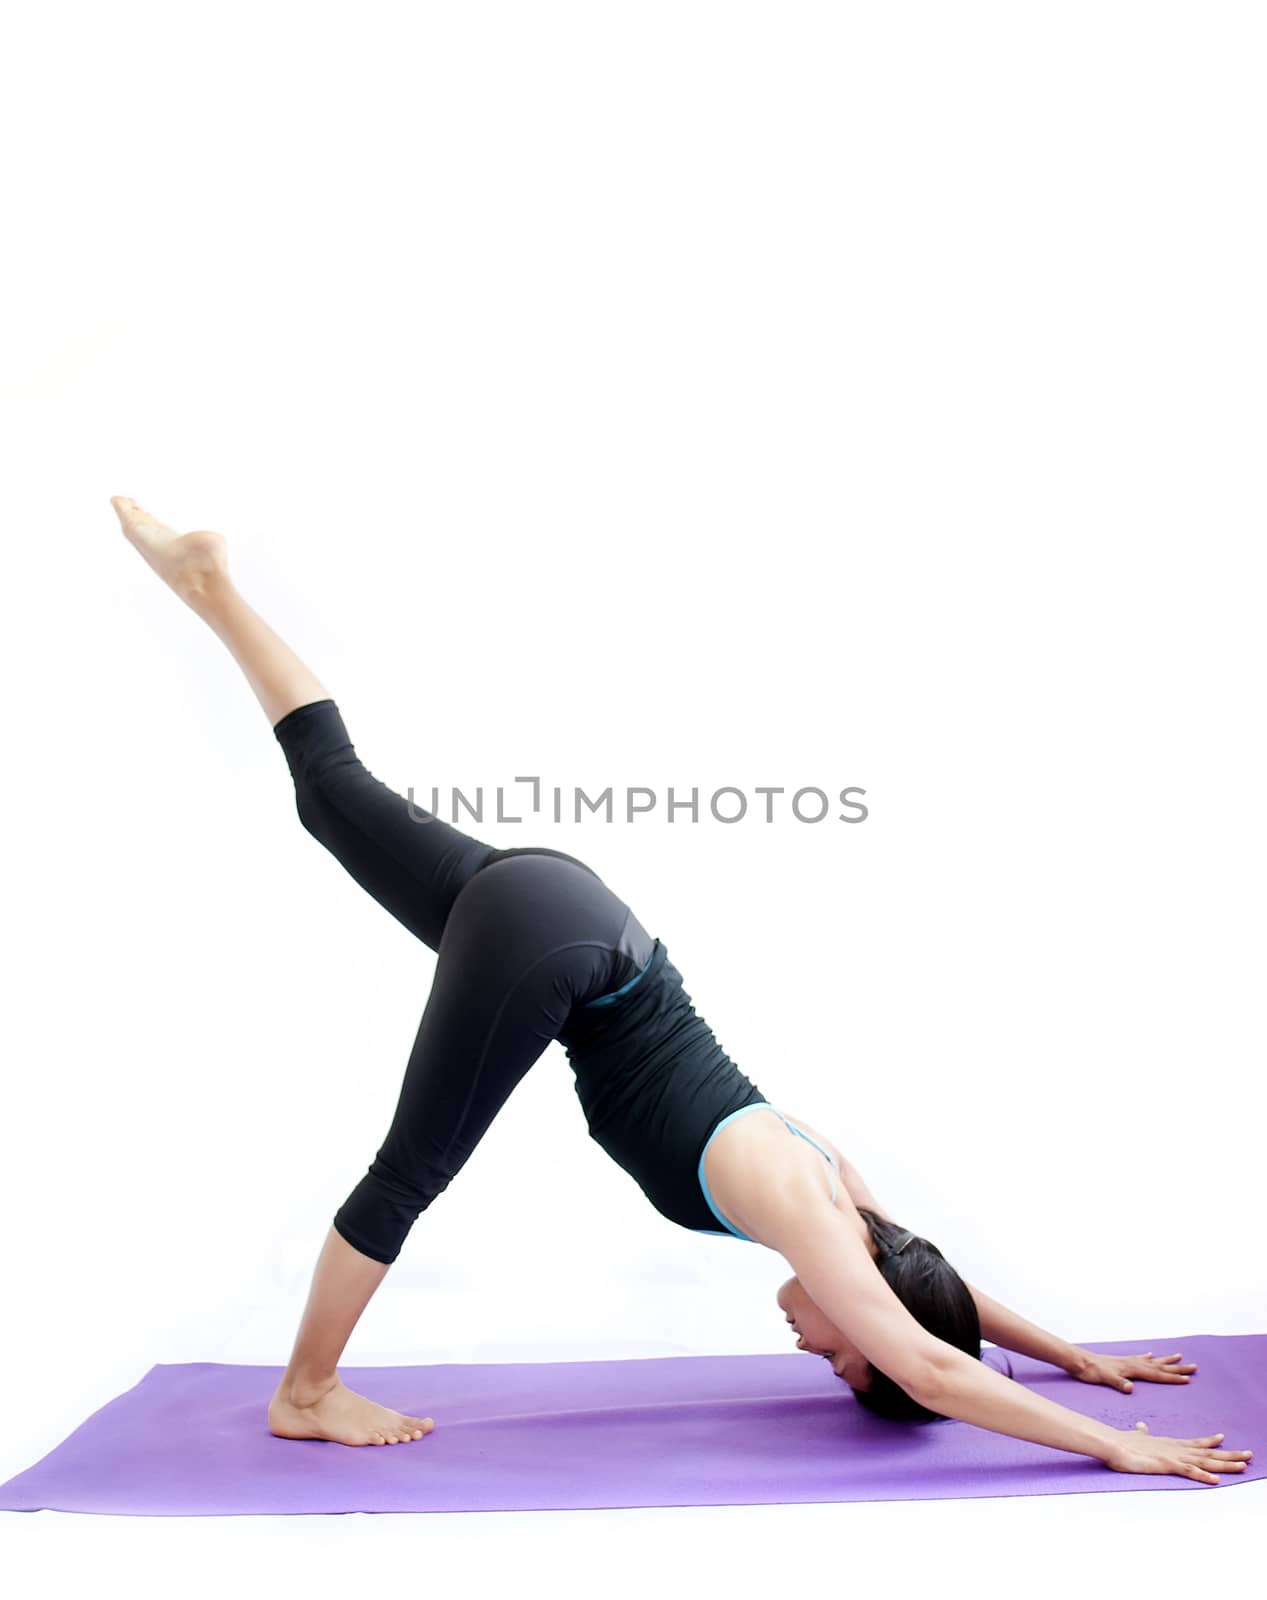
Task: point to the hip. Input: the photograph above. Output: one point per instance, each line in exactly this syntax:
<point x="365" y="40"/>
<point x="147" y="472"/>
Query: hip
<point x="530" y="907"/>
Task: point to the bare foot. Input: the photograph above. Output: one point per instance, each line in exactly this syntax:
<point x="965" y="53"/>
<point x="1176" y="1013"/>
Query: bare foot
<point x="186" y="562"/>
<point x="343" y="1417"/>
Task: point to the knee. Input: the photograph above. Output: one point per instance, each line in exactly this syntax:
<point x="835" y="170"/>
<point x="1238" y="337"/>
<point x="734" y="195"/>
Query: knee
<point x="309" y="806"/>
<point x="378" y="1214"/>
<point x="319" y="779"/>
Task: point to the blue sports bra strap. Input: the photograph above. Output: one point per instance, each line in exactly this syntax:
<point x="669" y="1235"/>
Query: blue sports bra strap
<point x="826" y="1157"/>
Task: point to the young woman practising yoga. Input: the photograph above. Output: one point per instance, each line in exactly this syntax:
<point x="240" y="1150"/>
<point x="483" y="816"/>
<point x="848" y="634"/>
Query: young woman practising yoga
<point x="532" y="946"/>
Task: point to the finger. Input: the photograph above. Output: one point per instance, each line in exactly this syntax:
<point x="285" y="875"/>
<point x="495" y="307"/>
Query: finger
<point x="1199" y="1473"/>
<point x="1207" y="1439"/>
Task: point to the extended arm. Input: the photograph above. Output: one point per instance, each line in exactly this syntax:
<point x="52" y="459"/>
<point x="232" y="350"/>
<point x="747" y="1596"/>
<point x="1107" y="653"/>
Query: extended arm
<point x="832" y="1263"/>
<point x="1010" y="1330"/>
<point x="828" y="1256"/>
<point x="998" y="1325"/>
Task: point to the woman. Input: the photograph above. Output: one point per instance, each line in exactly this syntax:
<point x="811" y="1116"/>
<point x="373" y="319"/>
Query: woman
<point x="532" y="946"/>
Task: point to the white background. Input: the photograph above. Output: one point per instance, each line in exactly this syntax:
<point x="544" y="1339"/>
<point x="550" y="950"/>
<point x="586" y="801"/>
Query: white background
<point x="664" y="394"/>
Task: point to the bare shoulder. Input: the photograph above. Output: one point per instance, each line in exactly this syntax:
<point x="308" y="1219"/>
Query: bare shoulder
<point x="753" y="1162"/>
<point x="855" y="1185"/>
<point x="820" y="1138"/>
<point x="755" y="1165"/>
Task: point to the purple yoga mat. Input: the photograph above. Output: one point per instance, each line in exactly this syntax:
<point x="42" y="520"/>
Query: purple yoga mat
<point x="192" y="1439"/>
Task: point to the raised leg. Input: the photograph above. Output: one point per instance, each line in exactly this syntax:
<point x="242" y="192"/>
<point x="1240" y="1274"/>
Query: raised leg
<point x="413" y="863"/>
<point x="196" y="567"/>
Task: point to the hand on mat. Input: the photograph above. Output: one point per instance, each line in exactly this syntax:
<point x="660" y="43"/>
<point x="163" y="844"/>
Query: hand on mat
<point x="1139" y="1451"/>
<point x="1118" y="1371"/>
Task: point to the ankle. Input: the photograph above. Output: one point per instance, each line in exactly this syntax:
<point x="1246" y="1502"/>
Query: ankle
<point x="306" y="1388"/>
<point x="202" y="590"/>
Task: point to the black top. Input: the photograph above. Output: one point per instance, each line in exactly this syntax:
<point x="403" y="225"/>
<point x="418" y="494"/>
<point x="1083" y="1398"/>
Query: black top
<point x="653" y="1083"/>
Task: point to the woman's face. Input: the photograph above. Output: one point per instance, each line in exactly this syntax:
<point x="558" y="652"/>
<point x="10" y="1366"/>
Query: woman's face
<point x="821" y="1337"/>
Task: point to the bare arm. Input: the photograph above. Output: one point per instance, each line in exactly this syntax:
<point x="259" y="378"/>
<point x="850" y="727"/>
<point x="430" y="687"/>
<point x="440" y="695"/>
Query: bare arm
<point x="1010" y="1330"/>
<point x="998" y="1325"/>
<point x="830" y="1260"/>
<point x="828" y="1256"/>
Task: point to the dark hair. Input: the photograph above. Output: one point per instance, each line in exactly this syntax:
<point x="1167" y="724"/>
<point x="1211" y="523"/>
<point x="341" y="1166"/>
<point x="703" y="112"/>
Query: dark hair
<point x="935" y="1295"/>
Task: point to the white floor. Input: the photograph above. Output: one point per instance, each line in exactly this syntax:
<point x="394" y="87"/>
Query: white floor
<point x="1140" y="1544"/>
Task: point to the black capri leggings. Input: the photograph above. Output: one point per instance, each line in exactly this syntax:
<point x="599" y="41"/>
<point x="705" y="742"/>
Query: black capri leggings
<point x="523" y="936"/>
